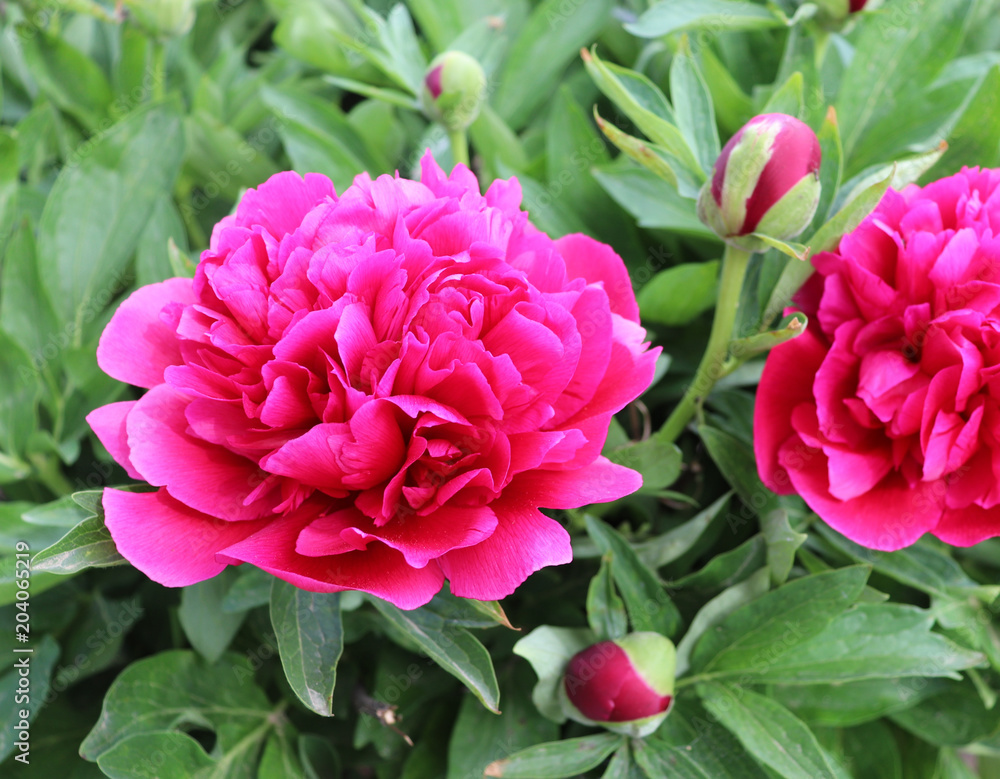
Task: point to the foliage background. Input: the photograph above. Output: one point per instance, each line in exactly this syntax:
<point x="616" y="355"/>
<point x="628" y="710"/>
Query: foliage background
<point x="805" y="655"/>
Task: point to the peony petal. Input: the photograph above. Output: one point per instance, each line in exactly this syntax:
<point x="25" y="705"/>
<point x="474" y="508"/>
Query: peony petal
<point x="137" y="346"/>
<point x="378" y="570"/>
<point x="108" y="424"/>
<point x="169" y="542"/>
<point x="524" y="541"/>
<point x="598" y="263"/>
<point x="968" y="526"/>
<point x="599" y="482"/>
<point x="888" y="517"/>
<point x="785" y="384"/>
<point x="203" y="476"/>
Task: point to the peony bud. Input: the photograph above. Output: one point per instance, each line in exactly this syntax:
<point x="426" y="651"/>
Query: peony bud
<point x="766" y="180"/>
<point x="454" y="90"/>
<point x="627" y="684"/>
<point x="163" y="18"/>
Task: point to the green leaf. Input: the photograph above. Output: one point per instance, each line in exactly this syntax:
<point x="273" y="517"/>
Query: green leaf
<point x="18" y="400"/>
<point x="788" y="98"/>
<point x="669" y="16"/>
<point x="717" y="609"/>
<point x="87" y="545"/>
<point x="97" y="210"/>
<point x="390" y="96"/>
<point x="166" y="755"/>
<point x="975" y="139"/>
<point x="679" y="295"/>
<point x="251" y="589"/>
<point x="728" y="568"/>
<point x="693" y="107"/>
<point x="954" y="716"/>
<point x="152" y="261"/>
<point x="782" y="542"/>
<point x="643" y="102"/>
<point x="650" y="199"/>
<point x="659" y="462"/>
<point x="845" y="704"/>
<point x="310" y="641"/>
<point x="790" y="327"/>
<point x="549" y="649"/>
<point x="72" y="80"/>
<point x="869" y="641"/>
<point x="209" y="629"/>
<point x="648" y="605"/>
<point x="40" y="662"/>
<point x="770" y="732"/>
<point x="690" y="746"/>
<point x="25" y="311"/>
<point x="568" y="758"/>
<point x="893" y="58"/>
<point x="222" y="159"/>
<point x="737" y="463"/>
<point x="479" y="737"/>
<point x="605" y="610"/>
<point x="850" y="216"/>
<point x="776" y="622"/>
<point x="455" y="649"/>
<point x="172" y="689"/>
<point x="652" y="157"/>
<point x="664" y="549"/>
<point x="548" y="42"/>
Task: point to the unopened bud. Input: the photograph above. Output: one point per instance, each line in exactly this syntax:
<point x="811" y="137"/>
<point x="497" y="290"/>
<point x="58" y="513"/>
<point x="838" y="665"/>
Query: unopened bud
<point x="163" y="18"/>
<point x="454" y="90"/>
<point x="766" y="180"/>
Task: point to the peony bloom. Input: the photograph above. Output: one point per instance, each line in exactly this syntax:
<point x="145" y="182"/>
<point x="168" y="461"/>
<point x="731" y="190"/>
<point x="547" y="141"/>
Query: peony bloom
<point x="765" y="180"/>
<point x="885" y="415"/>
<point x="374" y="391"/>
<point x="629" y="680"/>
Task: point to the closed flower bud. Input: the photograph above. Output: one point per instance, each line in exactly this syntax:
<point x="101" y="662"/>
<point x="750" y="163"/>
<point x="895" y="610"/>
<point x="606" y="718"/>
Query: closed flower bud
<point x="163" y="18"/>
<point x="833" y="13"/>
<point x="454" y="90"/>
<point x="766" y="180"/>
<point x="627" y="684"/>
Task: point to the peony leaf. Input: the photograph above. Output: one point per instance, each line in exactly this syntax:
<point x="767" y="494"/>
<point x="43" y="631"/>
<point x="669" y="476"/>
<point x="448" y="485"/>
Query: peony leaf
<point x="788" y="98"/>
<point x="668" y="16"/>
<point x="177" y="755"/>
<point x="648" y="605"/>
<point x="846" y="704"/>
<point x="782" y="542"/>
<point x="679" y="295"/>
<point x="455" y="649"/>
<point x="87" y="545"/>
<point x="646" y="153"/>
<point x="549" y="650"/>
<point x="167" y="692"/>
<point x="690" y="746"/>
<point x="973" y="140"/>
<point x="557" y="759"/>
<point x="208" y="628"/>
<point x="97" y="210"/>
<point x="605" y="609"/>
<point x="768" y="730"/>
<point x="770" y="626"/>
<point x="664" y="549"/>
<point x="954" y="716"/>
<point x="790" y="327"/>
<point x="548" y="42"/>
<point x="310" y="640"/>
<point x="869" y="641"/>
<point x="693" y="107"/>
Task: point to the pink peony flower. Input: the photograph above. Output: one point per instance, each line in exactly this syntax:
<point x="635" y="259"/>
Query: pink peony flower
<point x="372" y="392"/>
<point x="884" y="415"/>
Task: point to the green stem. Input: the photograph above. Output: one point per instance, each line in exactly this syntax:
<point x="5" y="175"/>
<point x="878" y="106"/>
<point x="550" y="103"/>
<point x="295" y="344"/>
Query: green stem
<point x="159" y="69"/>
<point x="48" y="472"/>
<point x="459" y="146"/>
<point x="711" y="368"/>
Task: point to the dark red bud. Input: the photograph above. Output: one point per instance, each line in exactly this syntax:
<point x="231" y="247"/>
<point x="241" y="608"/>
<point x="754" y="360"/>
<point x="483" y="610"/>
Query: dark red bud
<point x="433" y="82"/>
<point x="604" y="685"/>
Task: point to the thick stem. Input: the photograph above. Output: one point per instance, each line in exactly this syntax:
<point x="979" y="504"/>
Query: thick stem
<point x="459" y="146"/>
<point x="711" y="368"/>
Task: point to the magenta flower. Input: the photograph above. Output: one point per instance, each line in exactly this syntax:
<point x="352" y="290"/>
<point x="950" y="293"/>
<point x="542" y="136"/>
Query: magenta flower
<point x="884" y="415"/>
<point x="372" y="392"/>
<point x="765" y="180"/>
<point x="629" y="680"/>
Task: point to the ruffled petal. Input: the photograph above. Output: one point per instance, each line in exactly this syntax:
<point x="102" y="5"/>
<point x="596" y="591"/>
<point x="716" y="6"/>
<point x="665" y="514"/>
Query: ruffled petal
<point x="108" y="424"/>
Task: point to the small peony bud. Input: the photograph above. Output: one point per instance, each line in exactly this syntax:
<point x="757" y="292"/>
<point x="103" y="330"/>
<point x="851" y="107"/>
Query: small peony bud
<point x="857" y="5"/>
<point x="626" y="685"/>
<point x="834" y="13"/>
<point x="454" y="90"/>
<point x="163" y="18"/>
<point x="766" y="180"/>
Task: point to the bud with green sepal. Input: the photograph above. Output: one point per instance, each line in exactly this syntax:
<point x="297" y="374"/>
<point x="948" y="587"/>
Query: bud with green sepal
<point x="163" y="19"/>
<point x="765" y="181"/>
<point x="453" y="94"/>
